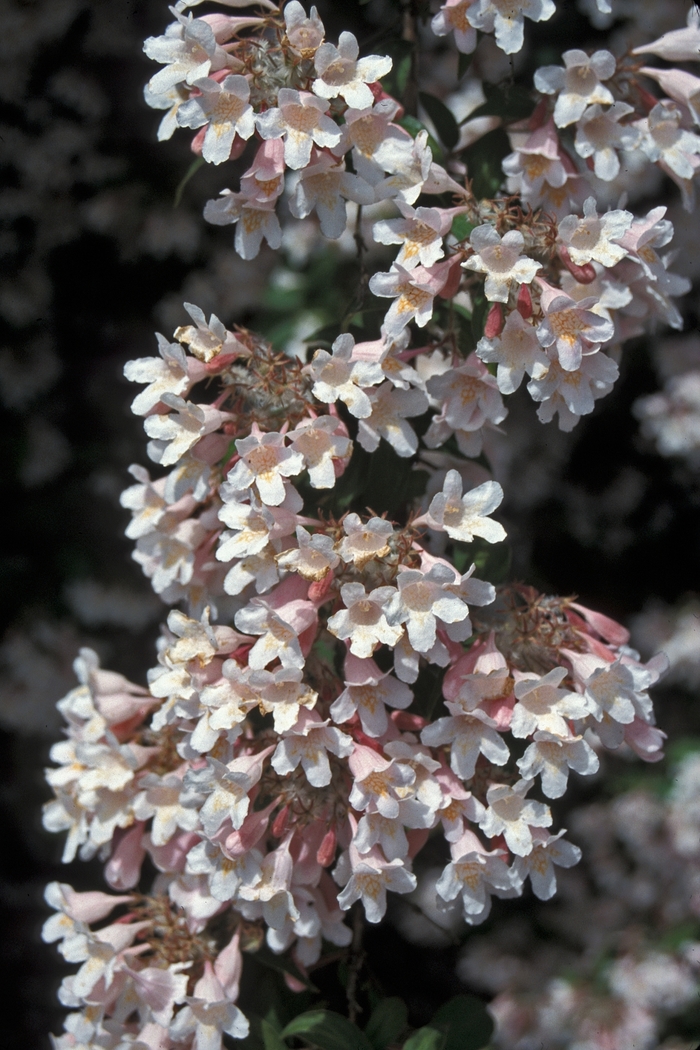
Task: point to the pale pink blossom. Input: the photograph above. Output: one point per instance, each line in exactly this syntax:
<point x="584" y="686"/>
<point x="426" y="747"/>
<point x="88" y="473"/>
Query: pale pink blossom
<point x="510" y="814"/>
<point x="420" y="233"/>
<point x="364" y="541"/>
<point x="472" y="874"/>
<point x="337" y="376"/>
<point x="452" y="16"/>
<point x="225" y="109"/>
<point x="255" y="220"/>
<point x="595" y="238"/>
<point x="507" y="21"/>
<point x="324" y="187"/>
<point x="413" y="292"/>
<point x="468" y="736"/>
<point x="263" y="182"/>
<point x="341" y="72"/>
<point x="547" y="851"/>
<point x="552" y="756"/>
<point x="372" y="875"/>
<point x="265" y="461"/>
<point x="377" y="144"/>
<point x="367" y="691"/>
<point x="501" y="260"/>
<point x="535" y="163"/>
<point x="301" y="120"/>
<point x="464" y="517"/>
<point x="578" y="84"/>
<point x="600" y="135"/>
<point x="572" y="394"/>
<point x="571" y="329"/>
<point x="543" y="705"/>
<point x="390" y="408"/>
<point x="304" y="32"/>
<point x="516" y="351"/>
<point x="307" y="743"/>
<point x="363" y="622"/>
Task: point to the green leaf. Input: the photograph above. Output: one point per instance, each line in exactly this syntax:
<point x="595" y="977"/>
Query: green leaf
<point x="271" y="1038"/>
<point x="427" y="1038"/>
<point x="327" y="1031"/>
<point x="387" y="1022"/>
<point x="443" y="119"/>
<point x="465" y="62"/>
<point x="194" y="167"/>
<point x="461" y="227"/>
<point x="465" y="1022"/>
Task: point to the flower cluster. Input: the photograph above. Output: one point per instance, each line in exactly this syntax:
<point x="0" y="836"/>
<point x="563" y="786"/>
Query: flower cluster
<point x="559" y="286"/>
<point x="338" y="689"/>
<point x="279" y="769"/>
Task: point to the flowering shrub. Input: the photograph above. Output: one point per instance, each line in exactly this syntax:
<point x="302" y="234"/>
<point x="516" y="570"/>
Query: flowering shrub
<point x="344" y="683"/>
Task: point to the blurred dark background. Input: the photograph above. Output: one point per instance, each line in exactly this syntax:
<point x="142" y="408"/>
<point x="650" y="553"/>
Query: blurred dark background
<point x="95" y="257"/>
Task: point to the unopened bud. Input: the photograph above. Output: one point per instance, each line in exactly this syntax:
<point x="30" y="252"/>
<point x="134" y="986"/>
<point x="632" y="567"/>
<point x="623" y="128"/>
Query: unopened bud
<point x="583" y="274"/>
<point x="279" y="824"/>
<point x="494" y="321"/>
<point x="524" y="302"/>
<point x="326" y="851"/>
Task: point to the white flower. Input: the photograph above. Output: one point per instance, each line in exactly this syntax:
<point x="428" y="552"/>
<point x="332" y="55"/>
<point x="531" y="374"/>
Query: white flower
<point x="547" y="851"/>
<point x="542" y="705"/>
<point x="364" y="541"/>
<point x="409" y="165"/>
<point x="166" y="376"/>
<point x="313" y="558"/>
<point x="572" y="393"/>
<point x="471" y="874"/>
<point x="283" y="693"/>
<point x="171" y="98"/>
<point x="593" y="238"/>
<point x="208" y="1014"/>
<point x="225" y="109"/>
<point x="225" y="788"/>
<point x="419" y="232"/>
<point x="301" y="120"/>
<point x="500" y="259"/>
<point x="553" y="756"/>
<point x="252" y="525"/>
<point x="366" y="692"/>
<point x="572" y="329"/>
<point x="304" y="33"/>
<point x="190" y="51"/>
<point x="464" y="517"/>
<point x="278" y="638"/>
<point x="516" y="351"/>
<point x="468" y="735"/>
<point x="324" y="186"/>
<point x="469" y="398"/>
<point x="145" y="501"/>
<point x="413" y="292"/>
<point x="453" y="16"/>
<point x="599" y="135"/>
<point x="664" y="140"/>
<point x="160" y="799"/>
<point x="390" y="407"/>
<point x="265" y="461"/>
<point x="423" y="599"/>
<point x="372" y="875"/>
<point x="255" y="220"/>
<point x="338" y="377"/>
<point x="511" y="815"/>
<point x="225" y="874"/>
<point x="578" y="84"/>
<point x="307" y="742"/>
<point x="377" y="144"/>
<point x="363" y="621"/>
<point x="205" y="340"/>
<point x="506" y="19"/>
<point x="340" y="72"/>
<point x="322" y="442"/>
<point x="379" y="785"/>
<point x="176" y="432"/>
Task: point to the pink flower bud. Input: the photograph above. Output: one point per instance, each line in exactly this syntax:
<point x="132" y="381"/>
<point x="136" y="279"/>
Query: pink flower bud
<point x="326" y="851"/>
<point x="524" y="303"/>
<point x="583" y="274"/>
<point x="494" y="321"/>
